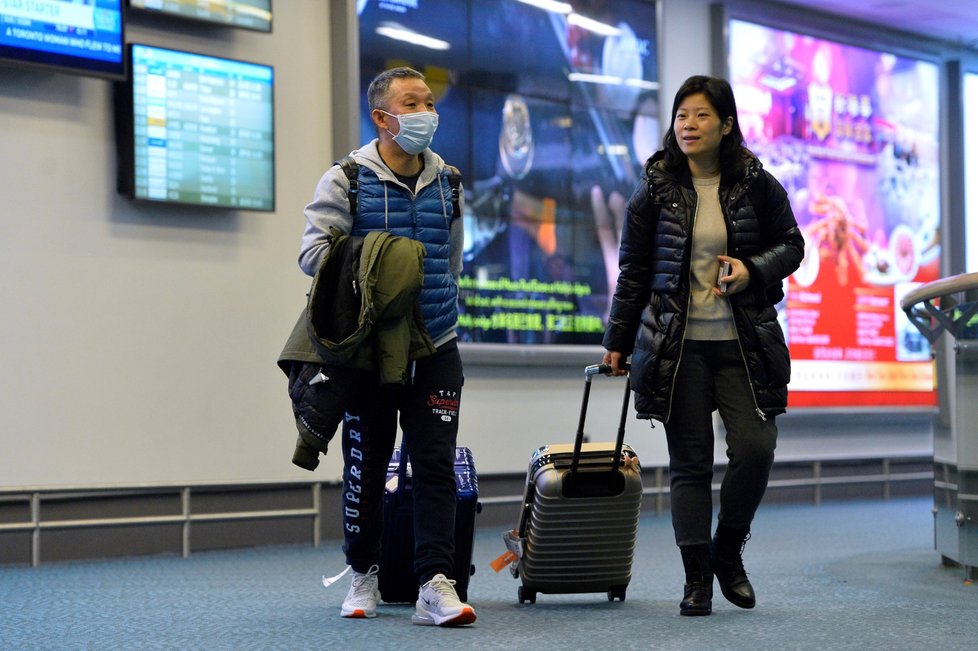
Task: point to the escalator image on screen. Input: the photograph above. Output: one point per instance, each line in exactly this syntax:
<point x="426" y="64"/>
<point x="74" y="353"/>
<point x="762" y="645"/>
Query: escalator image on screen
<point x="550" y="110"/>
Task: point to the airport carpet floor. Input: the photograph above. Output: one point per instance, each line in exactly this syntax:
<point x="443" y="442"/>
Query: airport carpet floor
<point x="840" y="575"/>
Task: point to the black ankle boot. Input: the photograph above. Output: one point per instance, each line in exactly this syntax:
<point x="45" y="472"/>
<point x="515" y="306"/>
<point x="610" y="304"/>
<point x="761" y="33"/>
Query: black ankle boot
<point x="726" y="558"/>
<point x="698" y="591"/>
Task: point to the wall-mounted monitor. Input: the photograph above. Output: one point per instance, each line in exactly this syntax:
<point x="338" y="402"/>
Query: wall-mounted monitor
<point x="249" y="14"/>
<point x="854" y="136"/>
<point x="196" y="129"/>
<point x="550" y="110"/>
<point x="65" y="36"/>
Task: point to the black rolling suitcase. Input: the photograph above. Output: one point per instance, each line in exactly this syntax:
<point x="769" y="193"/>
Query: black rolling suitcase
<point x="398" y="583"/>
<point x="579" y="521"/>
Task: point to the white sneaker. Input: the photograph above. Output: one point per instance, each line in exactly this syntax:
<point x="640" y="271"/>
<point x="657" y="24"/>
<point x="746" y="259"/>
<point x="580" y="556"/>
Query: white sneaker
<point x="438" y="605"/>
<point x="361" y="600"/>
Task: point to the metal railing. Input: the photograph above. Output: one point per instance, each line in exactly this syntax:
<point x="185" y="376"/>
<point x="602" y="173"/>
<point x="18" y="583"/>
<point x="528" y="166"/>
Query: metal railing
<point x="37" y="524"/>
<point x="187" y="517"/>
<point x="816" y="480"/>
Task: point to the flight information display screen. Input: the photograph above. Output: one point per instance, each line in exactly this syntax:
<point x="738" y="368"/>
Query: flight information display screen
<point x="71" y="36"/>
<point x="200" y="130"/>
<point x="250" y="14"/>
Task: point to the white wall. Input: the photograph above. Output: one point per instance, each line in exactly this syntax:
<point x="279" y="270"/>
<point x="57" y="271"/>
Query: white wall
<point x="138" y="343"/>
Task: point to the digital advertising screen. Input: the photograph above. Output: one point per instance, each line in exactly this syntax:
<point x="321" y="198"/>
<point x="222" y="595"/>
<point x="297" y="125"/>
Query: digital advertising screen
<point x="971" y="170"/>
<point x="197" y="129"/>
<point x="550" y="110"/>
<point x="249" y="14"/>
<point x="79" y="36"/>
<point x="853" y="135"/>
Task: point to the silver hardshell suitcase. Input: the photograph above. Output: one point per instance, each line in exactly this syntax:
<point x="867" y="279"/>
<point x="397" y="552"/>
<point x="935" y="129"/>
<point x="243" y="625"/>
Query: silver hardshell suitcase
<point x="579" y="521"/>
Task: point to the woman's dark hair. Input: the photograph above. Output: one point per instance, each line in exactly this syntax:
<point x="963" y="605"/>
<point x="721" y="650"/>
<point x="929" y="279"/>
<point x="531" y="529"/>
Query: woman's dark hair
<point x="721" y="98"/>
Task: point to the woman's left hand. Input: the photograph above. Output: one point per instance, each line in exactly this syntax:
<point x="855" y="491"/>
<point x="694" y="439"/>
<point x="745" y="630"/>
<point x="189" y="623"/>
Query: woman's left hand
<point x="737" y="280"/>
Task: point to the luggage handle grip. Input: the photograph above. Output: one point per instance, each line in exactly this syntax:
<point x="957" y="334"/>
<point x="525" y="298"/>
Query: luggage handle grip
<point x="600" y="369"/>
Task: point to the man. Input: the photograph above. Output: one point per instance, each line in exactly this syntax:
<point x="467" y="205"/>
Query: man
<point x="404" y="189"/>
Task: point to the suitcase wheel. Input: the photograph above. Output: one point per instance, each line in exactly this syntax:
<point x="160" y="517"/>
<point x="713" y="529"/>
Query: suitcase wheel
<point x="617" y="592"/>
<point x="526" y="595"/>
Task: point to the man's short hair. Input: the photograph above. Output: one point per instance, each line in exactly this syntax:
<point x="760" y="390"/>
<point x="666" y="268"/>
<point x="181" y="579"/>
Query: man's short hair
<point x="380" y="86"/>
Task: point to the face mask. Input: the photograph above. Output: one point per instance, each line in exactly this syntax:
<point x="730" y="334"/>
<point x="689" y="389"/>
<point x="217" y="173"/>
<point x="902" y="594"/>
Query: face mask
<point x="416" y="132"/>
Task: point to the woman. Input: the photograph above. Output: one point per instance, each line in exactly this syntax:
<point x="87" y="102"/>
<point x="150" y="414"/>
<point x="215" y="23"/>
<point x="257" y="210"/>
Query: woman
<point x="703" y="336"/>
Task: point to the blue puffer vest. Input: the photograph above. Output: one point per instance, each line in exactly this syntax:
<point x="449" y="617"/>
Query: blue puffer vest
<point x="425" y="217"/>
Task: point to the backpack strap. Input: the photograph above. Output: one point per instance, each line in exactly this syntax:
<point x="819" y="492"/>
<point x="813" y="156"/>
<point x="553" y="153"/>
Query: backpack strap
<point x="351" y="169"/>
<point x="455" y="180"/>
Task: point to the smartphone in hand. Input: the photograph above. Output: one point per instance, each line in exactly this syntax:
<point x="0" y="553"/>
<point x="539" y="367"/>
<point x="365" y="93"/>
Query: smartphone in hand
<point x="724" y="271"/>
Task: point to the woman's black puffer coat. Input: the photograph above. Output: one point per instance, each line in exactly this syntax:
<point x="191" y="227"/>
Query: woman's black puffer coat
<point x="648" y="314"/>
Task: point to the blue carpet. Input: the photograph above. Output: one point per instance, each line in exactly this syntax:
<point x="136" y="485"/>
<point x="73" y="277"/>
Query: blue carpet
<point x="846" y="575"/>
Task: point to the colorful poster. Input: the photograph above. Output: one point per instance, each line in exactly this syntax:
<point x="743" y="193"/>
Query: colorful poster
<point x="853" y="135"/>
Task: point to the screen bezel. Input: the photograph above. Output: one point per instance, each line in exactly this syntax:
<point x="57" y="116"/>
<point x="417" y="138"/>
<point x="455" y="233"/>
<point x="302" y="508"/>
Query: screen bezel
<point x="15" y="57"/>
<point x="126" y="140"/>
<point x="183" y="18"/>
<point x="964" y="255"/>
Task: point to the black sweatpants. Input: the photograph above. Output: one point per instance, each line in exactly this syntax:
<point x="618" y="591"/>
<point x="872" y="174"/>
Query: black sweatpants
<point x="427" y="407"/>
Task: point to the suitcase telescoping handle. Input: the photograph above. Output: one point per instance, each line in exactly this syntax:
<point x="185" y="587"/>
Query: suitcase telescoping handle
<point x="589" y="372"/>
